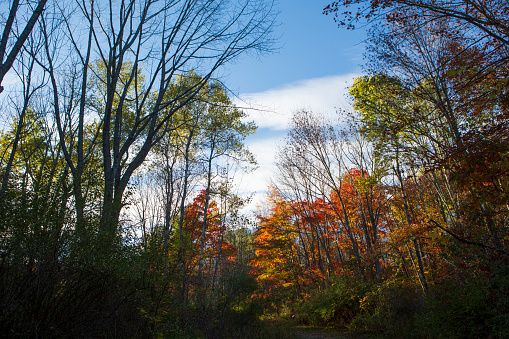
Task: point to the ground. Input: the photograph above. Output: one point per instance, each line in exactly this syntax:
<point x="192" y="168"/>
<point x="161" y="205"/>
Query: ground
<point x="306" y="332"/>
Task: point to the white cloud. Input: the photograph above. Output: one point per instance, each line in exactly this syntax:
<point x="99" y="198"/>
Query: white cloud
<point x="274" y="108"/>
<point x="272" y="112"/>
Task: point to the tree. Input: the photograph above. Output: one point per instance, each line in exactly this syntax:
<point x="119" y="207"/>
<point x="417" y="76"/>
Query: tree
<point x="448" y="54"/>
<point x="488" y="17"/>
<point x="223" y="133"/>
<point x="169" y="40"/>
<point x="14" y="26"/>
<point x="311" y="166"/>
<point x="276" y="263"/>
<point x="315" y="165"/>
<point x="431" y="123"/>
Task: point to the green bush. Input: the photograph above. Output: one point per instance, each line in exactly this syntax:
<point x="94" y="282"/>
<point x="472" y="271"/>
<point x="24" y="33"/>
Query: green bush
<point x="476" y="308"/>
<point x="499" y="295"/>
<point x="388" y="309"/>
<point x="457" y="311"/>
<point x="335" y="305"/>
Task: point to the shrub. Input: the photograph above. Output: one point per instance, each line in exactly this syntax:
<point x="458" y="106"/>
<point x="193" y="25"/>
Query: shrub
<point x="499" y="297"/>
<point x="457" y="311"/>
<point x="336" y="305"/>
<point x="389" y="309"/>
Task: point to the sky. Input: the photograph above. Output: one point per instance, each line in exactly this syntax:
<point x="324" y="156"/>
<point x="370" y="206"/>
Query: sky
<point x="309" y="45"/>
<point x="312" y="67"/>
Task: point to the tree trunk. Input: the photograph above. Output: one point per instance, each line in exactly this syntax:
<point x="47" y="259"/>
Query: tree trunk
<point x="410" y="222"/>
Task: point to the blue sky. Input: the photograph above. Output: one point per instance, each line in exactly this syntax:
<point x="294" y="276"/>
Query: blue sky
<point x="315" y="63"/>
<point x="310" y="46"/>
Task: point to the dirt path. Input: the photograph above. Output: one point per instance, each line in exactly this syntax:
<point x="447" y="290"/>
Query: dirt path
<point x="321" y="335"/>
<point x="317" y="333"/>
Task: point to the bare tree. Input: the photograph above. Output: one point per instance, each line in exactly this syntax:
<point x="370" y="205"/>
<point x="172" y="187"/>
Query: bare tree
<point x="144" y="50"/>
<point x="16" y="32"/>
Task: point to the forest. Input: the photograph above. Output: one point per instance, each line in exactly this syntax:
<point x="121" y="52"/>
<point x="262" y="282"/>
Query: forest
<point x="120" y="214"/>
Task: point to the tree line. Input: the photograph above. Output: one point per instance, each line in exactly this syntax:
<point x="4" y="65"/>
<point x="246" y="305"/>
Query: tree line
<point x="393" y="218"/>
<point x="118" y="212"/>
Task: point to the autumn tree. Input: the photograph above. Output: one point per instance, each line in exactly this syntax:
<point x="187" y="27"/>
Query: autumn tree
<point x="486" y="19"/>
<point x="277" y="263"/>
<point x="432" y="123"/>
<point x="315" y="165"/>
<point x="311" y="165"/>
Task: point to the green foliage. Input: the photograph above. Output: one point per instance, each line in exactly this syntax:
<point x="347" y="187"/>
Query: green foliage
<point x="475" y="308"/>
<point x="336" y="305"/>
<point x="389" y="309"/>
<point x="457" y="311"/>
<point x="383" y="116"/>
<point x="53" y="295"/>
<point x="499" y="297"/>
<point x="179" y="321"/>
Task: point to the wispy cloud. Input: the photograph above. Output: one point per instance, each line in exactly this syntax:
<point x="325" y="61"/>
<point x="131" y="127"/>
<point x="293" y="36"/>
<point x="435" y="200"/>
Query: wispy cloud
<point x="273" y="109"/>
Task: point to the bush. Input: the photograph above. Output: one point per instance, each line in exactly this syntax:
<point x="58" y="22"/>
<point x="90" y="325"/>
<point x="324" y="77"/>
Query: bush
<point x="336" y="305"/>
<point x="69" y="301"/>
<point x="389" y="308"/>
<point x="457" y="311"/>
